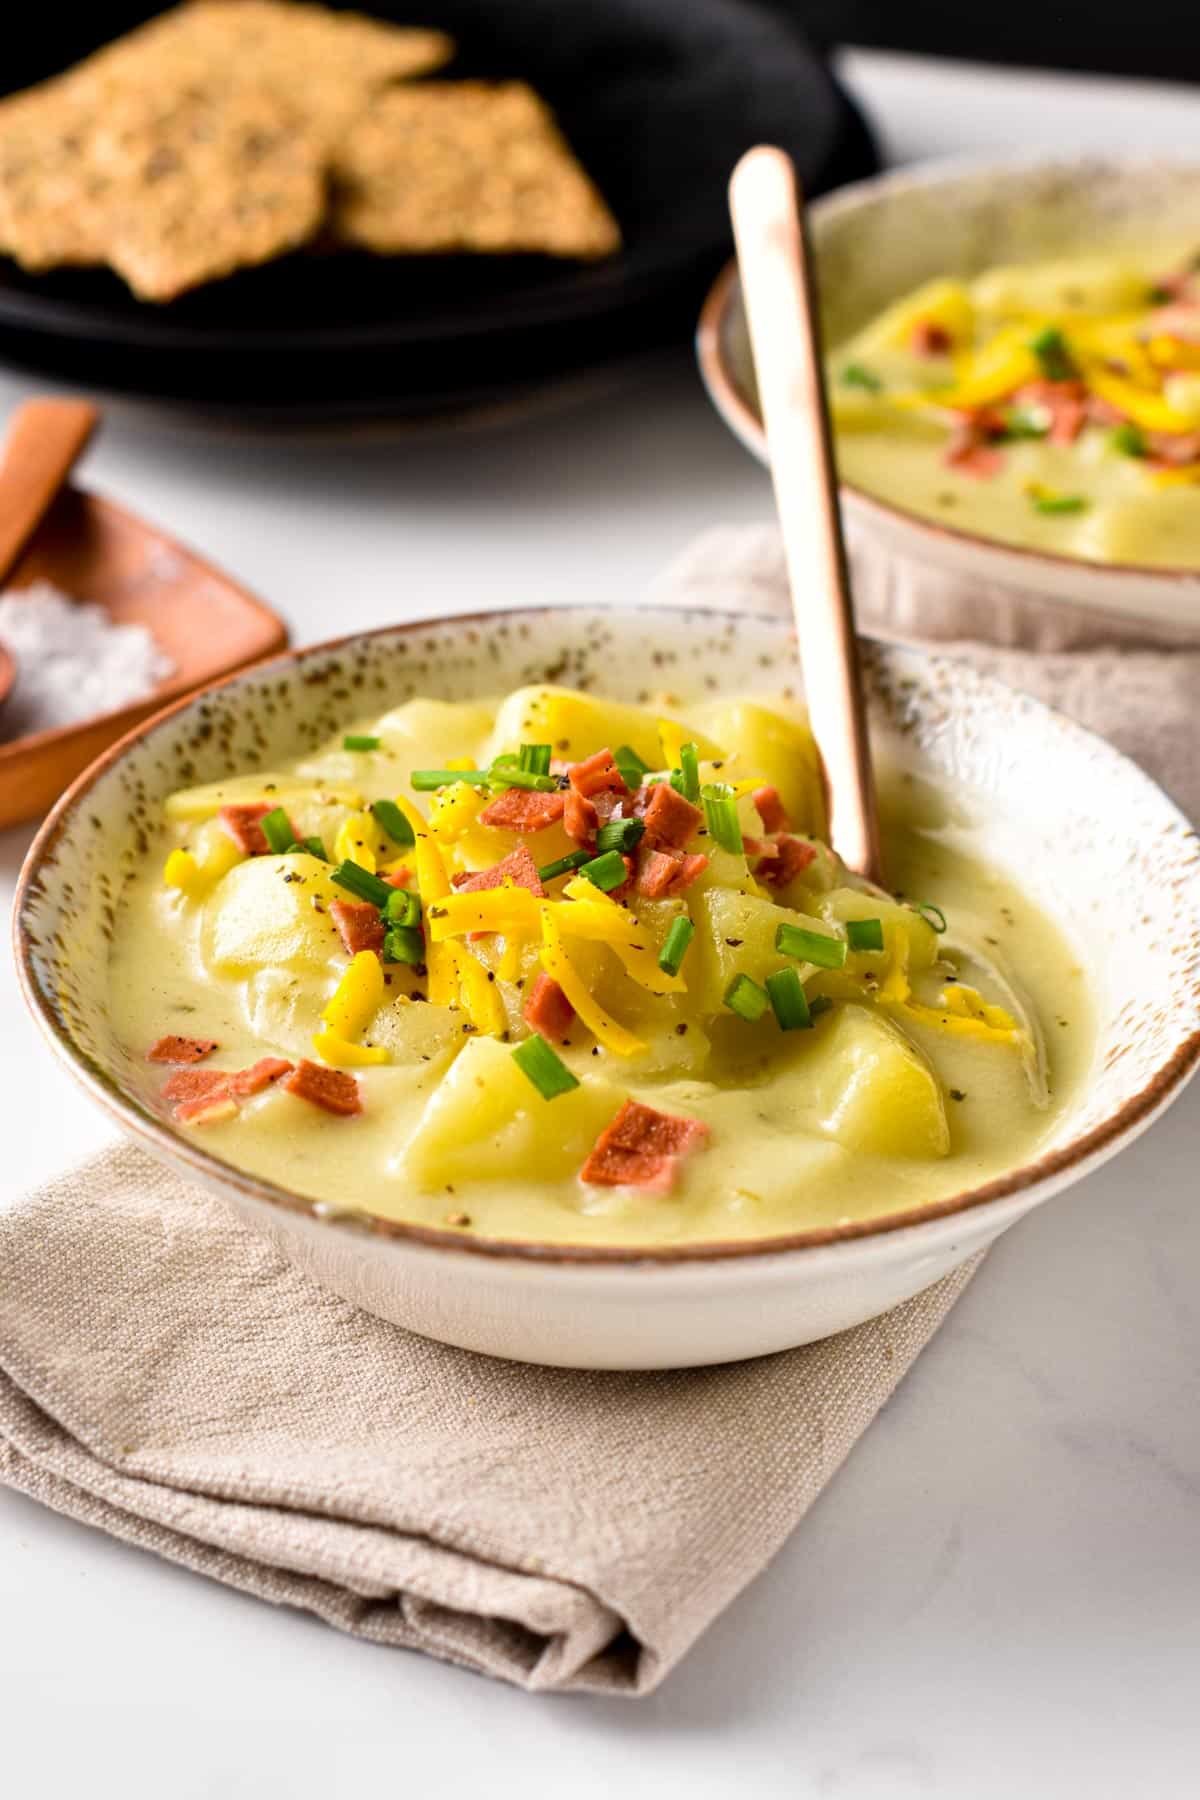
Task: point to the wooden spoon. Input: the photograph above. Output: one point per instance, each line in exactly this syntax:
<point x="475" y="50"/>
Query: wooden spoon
<point x="777" y="287"/>
<point x="45" y="440"/>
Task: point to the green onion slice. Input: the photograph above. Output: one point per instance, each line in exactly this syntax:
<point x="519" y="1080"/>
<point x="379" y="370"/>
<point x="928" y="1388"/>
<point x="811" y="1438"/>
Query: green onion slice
<point x="360" y="741"/>
<point x="606" y="872"/>
<point x="932" y="915"/>
<point x="402" y="907"/>
<point x="311" y="846"/>
<point x="535" y="758"/>
<point x="404" y="944"/>
<point x="1050" y="348"/>
<point x="745" y="998"/>
<point x="620" y="834"/>
<point x="362" y="884"/>
<point x="689" y="768"/>
<point x="857" y="375"/>
<point x="1128" y="439"/>
<point x="574" y="859"/>
<point x="388" y="815"/>
<point x="675" y="946"/>
<point x="277" y="829"/>
<point x="511" y="775"/>
<point x="632" y="769"/>
<point x="544" y="1067"/>
<point x="720" y="815"/>
<point x="788" y="1000"/>
<point x="814" y="947"/>
<point x="864" y="934"/>
<point x="1059" y="503"/>
<point x="426" y="780"/>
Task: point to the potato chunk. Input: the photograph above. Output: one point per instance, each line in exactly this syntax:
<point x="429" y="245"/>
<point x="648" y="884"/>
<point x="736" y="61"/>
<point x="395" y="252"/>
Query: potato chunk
<point x="779" y="750"/>
<point x="486" y="1118"/>
<point x="735" y="935"/>
<point x="873" y="1090"/>
<point x="576" y="726"/>
<point x="262" y="915"/>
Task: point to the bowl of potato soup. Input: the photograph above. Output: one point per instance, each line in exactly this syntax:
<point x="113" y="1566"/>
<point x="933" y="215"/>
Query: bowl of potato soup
<point x="1013" y="370"/>
<point x="500" y="970"/>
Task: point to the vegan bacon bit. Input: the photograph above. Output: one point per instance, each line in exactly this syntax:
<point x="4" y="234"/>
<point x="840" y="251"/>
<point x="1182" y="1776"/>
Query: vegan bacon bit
<point x="244" y="826"/>
<point x="331" y="1089"/>
<point x="671" y="820"/>
<point x="186" y="1085"/>
<point x="642" y="1148"/>
<point x="260" y="1075"/>
<point x="770" y="809"/>
<point x="206" y="1111"/>
<point x="181" y="1050"/>
<point x="581" y="821"/>
<point x="595" y="774"/>
<point x="522" y="809"/>
<point x="547" y="1009"/>
<point x="666" y="873"/>
<point x="360" y="925"/>
<point x="788" y="857"/>
<point x="518" y="867"/>
<point x="928" y="338"/>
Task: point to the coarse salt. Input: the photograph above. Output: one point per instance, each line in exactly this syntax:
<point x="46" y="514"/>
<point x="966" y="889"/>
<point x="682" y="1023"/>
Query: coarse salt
<point x="73" y="661"/>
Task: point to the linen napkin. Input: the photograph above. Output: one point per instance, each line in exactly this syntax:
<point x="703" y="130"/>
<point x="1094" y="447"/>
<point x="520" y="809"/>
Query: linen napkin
<point x="167" y="1377"/>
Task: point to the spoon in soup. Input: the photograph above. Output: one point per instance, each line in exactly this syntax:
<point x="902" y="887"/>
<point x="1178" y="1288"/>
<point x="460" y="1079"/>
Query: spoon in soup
<point x="778" y="293"/>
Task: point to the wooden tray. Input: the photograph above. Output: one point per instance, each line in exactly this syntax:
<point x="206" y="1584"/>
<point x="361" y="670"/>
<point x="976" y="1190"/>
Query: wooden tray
<point x="204" y="621"/>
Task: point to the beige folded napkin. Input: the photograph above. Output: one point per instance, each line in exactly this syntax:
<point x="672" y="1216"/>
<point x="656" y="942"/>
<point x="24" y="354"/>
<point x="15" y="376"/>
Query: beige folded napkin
<point x="165" y="1376"/>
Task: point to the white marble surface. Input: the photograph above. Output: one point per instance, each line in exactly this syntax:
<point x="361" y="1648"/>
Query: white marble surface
<point x="1000" y="1594"/>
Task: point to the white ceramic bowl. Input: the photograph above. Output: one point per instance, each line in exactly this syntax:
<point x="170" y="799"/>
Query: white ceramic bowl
<point x="1062" y="811"/>
<point x="877" y="240"/>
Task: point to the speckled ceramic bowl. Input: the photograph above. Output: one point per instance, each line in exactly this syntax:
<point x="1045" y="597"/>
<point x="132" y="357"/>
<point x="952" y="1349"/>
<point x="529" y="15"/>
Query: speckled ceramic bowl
<point x="1061" y="810"/>
<point x="876" y="241"/>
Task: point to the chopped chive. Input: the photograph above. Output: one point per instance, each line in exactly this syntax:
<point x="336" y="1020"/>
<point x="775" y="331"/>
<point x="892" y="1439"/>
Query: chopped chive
<point x="426" y="780"/>
<point x="402" y="907"/>
<point x="357" y="741"/>
<point x="1059" y="503"/>
<point x="277" y="829"/>
<point x="1127" y="439"/>
<point x="864" y="934"/>
<point x="1018" y="423"/>
<point x="620" y="834"/>
<point x="689" y="768"/>
<point x="544" y="1067"/>
<point x="574" y="859"/>
<point x="632" y="769"/>
<point x="932" y="915"/>
<point x="311" y="846"/>
<point x="606" y="872"/>
<point x="404" y="944"/>
<point x="720" y="815"/>
<point x="393" y="821"/>
<point x="675" y="946"/>
<point x="745" y="998"/>
<point x="815" y="947"/>
<point x="362" y="884"/>
<point x="788" y="1000"/>
<point x="857" y="375"/>
<point x="535" y="758"/>
<point x="1050" y="348"/>
<point x="820" y="1003"/>
<point x="510" y="775"/>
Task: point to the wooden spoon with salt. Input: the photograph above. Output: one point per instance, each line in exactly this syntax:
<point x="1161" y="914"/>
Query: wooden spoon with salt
<point x="777" y="287"/>
<point x="45" y="440"/>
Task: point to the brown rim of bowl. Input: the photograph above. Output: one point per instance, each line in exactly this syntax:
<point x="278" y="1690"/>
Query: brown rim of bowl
<point x="1136" y="1113"/>
<point x="747" y="427"/>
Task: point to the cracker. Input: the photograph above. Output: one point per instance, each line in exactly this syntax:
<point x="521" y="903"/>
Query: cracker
<point x="465" y="165"/>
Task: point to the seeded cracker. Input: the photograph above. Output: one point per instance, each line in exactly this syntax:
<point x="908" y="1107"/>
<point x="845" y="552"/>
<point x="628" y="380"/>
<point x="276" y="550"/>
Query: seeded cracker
<point x="465" y="166"/>
<point x="196" y="145"/>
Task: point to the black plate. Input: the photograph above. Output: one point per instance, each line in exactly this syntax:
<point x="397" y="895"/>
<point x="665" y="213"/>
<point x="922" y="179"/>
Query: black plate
<point x="658" y="98"/>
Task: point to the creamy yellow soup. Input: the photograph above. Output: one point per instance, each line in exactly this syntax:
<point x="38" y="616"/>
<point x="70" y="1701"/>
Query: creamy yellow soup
<point x="843" y="1052"/>
<point x="1051" y="405"/>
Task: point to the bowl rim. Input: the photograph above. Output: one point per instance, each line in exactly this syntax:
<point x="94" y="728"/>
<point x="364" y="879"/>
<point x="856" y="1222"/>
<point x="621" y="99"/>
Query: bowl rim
<point x="1167" y="1080"/>
<point x="731" y="405"/>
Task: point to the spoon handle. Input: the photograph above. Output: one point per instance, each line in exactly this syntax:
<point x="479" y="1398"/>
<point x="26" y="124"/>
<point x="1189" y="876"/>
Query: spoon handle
<point x="45" y="440"/>
<point x="777" y="286"/>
